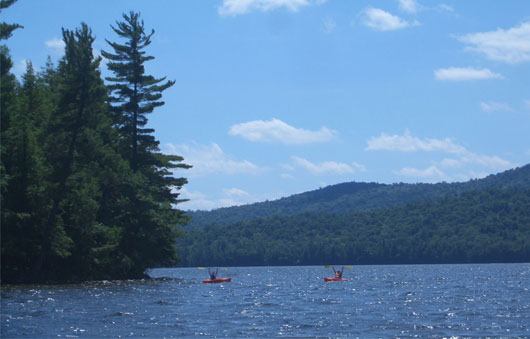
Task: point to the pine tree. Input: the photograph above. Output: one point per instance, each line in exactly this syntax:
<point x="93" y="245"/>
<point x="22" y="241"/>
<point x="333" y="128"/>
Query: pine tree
<point x="7" y="88"/>
<point x="7" y="103"/>
<point x="6" y="30"/>
<point x="150" y="231"/>
<point x="73" y="149"/>
<point x="8" y="109"/>
<point x="135" y="94"/>
<point x="25" y="205"/>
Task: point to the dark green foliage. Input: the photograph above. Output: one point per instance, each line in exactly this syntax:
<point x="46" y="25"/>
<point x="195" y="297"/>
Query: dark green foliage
<point x="73" y="208"/>
<point x="24" y="202"/>
<point x="150" y="203"/>
<point x="7" y="90"/>
<point x="6" y="30"/>
<point x="135" y="93"/>
<point x="16" y="136"/>
<point x="478" y="226"/>
<point x="77" y="150"/>
<point x="349" y="197"/>
<point x="7" y="104"/>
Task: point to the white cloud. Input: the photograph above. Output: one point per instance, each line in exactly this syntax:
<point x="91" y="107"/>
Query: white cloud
<point x="56" y="46"/>
<point x="451" y="163"/>
<point x="490" y="161"/>
<point x="510" y="46"/>
<point x="492" y="106"/>
<point x="527" y="104"/>
<point x="434" y="174"/>
<point x="287" y="167"/>
<point x="239" y="7"/>
<point x="464" y="74"/>
<point x="209" y="159"/>
<point x="278" y="131"/>
<point x="409" y="6"/>
<point x="446" y="8"/>
<point x="359" y="167"/>
<point x="235" y="192"/>
<point x="185" y="194"/>
<point x="20" y="67"/>
<point x="469" y="158"/>
<point x="408" y="143"/>
<point x="329" y="25"/>
<point x="413" y="7"/>
<point x="199" y="201"/>
<point x="226" y="198"/>
<point x="323" y="167"/>
<point x="430" y="174"/>
<point x="380" y="20"/>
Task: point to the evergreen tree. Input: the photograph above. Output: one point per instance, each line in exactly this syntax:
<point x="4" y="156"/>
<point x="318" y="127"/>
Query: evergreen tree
<point x="7" y="89"/>
<point x="7" y="102"/>
<point x="135" y="94"/>
<point x="6" y="30"/>
<point x="25" y="205"/>
<point x="79" y="201"/>
<point x="150" y="226"/>
<point x="73" y="149"/>
<point x="8" y="106"/>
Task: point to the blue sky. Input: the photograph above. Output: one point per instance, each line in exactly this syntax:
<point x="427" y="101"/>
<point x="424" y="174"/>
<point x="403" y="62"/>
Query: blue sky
<point x="277" y="97"/>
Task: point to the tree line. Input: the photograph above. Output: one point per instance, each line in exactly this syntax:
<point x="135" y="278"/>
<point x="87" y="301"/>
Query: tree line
<point x="482" y="226"/>
<point x="86" y="192"/>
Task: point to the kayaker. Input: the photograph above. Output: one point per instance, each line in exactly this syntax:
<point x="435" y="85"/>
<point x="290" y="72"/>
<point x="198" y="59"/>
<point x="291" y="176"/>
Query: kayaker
<point x="338" y="274"/>
<point x="213" y="274"/>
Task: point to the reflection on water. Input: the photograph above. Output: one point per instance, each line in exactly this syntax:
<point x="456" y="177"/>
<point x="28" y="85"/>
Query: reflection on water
<point x="417" y="300"/>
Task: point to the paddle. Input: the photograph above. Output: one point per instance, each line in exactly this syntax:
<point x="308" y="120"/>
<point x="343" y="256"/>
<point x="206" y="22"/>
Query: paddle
<point x="346" y="267"/>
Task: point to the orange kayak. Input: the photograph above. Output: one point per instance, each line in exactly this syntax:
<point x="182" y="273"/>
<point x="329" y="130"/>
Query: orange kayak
<point x="215" y="281"/>
<point x="335" y="279"/>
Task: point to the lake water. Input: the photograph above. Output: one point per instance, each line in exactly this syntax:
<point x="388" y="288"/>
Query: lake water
<point x="377" y="301"/>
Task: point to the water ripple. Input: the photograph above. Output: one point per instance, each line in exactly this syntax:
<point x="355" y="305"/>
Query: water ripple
<point x="377" y="301"/>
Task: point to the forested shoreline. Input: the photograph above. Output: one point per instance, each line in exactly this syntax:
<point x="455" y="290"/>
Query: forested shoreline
<point x="480" y="220"/>
<point x="485" y="226"/>
<point x="86" y="193"/>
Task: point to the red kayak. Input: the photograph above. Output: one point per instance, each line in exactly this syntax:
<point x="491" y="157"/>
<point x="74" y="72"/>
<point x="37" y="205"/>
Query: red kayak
<point x="335" y="279"/>
<point x="215" y="281"/>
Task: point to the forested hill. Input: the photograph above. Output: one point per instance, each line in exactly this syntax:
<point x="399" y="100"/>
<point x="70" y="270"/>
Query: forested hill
<point x="353" y="196"/>
<point x="491" y="225"/>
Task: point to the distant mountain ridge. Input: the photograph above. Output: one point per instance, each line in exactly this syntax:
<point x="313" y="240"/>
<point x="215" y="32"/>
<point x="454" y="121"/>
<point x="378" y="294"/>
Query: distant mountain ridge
<point x="357" y="196"/>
